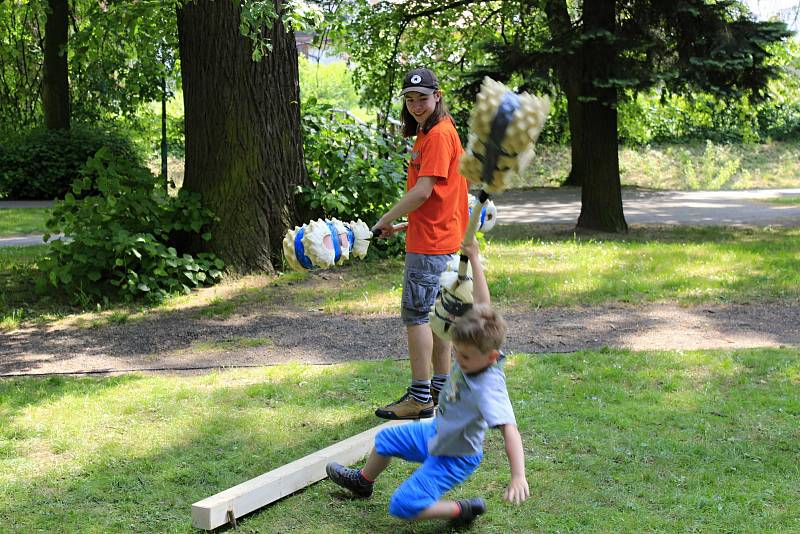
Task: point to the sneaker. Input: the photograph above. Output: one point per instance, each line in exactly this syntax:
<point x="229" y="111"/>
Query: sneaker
<point x="470" y="509"/>
<point x="349" y="479"/>
<point x="406" y="408"/>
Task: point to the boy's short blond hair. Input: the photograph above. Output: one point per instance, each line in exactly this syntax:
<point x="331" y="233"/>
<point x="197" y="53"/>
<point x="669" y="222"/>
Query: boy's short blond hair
<point x="481" y="327"/>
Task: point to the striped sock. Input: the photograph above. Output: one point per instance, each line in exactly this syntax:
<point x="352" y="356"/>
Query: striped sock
<point x="420" y="390"/>
<point x="438" y="381"/>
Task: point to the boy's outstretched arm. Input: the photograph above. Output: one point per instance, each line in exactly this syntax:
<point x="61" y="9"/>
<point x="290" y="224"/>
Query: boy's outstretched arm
<point x="480" y="288"/>
<point x="517" y="490"/>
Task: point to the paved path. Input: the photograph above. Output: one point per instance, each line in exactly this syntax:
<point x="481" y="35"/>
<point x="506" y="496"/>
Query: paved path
<point x="25" y="240"/>
<point x="25" y="204"/>
<point x="563" y="205"/>
<point x="642" y="206"/>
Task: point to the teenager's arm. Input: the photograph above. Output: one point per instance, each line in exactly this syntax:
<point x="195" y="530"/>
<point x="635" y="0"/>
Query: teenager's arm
<point x="480" y="288"/>
<point x="413" y="199"/>
<point x="517" y="490"/>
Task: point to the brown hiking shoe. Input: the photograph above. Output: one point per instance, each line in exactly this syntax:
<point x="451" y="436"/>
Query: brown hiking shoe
<point x="435" y="397"/>
<point x="406" y="408"/>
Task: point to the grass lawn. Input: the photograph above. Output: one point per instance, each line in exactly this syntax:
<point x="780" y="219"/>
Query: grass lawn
<point x="615" y="441"/>
<point x="683" y="166"/>
<point x="528" y="266"/>
<point x="533" y="266"/>
<point x="20" y="221"/>
<point x="785" y="201"/>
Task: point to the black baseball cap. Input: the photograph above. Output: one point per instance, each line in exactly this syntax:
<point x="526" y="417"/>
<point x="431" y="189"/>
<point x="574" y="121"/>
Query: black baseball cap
<point x="420" y="80"/>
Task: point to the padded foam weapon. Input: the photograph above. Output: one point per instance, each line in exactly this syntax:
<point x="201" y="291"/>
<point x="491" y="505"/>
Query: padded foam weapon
<point x="504" y="128"/>
<point x="329" y="242"/>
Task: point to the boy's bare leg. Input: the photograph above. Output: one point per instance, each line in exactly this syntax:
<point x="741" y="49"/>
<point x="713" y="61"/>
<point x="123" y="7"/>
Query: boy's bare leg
<point x="439" y="510"/>
<point x="375" y="465"/>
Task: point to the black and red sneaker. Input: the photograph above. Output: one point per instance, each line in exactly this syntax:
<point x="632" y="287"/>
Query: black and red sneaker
<point x="350" y="479"/>
<point x="470" y="509"/>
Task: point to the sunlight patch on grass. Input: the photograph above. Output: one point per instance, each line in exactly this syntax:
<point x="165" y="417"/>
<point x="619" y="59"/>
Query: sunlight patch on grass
<point x="785" y="201"/>
<point x="627" y="441"/>
<point x="697" y="165"/>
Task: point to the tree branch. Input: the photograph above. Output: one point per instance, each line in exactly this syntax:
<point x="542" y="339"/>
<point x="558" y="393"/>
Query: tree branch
<point x="435" y="10"/>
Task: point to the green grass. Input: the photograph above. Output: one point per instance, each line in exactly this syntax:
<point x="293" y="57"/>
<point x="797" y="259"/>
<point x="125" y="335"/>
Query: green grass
<point x="20" y="221"/>
<point x="533" y="266"/>
<point x="683" y="166"/>
<point x="615" y="441"/>
<point x="528" y="266"/>
<point x="785" y="201"/>
<point x="685" y="265"/>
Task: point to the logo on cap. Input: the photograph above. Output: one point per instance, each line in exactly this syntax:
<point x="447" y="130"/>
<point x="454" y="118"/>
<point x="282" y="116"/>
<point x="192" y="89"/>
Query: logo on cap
<point x="416" y="78"/>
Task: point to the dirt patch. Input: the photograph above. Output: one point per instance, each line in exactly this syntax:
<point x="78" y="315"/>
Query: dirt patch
<point x="181" y="340"/>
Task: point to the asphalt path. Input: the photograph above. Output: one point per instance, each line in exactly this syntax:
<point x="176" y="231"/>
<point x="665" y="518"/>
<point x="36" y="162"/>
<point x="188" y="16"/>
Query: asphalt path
<point x="641" y="206"/>
<point x="651" y="207"/>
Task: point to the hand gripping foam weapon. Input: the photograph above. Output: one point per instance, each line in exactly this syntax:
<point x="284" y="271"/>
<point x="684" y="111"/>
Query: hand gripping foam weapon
<point x="503" y="127"/>
<point x="329" y="242"/>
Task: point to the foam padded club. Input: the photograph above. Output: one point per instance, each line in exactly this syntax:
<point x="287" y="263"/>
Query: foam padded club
<point x="504" y="127"/>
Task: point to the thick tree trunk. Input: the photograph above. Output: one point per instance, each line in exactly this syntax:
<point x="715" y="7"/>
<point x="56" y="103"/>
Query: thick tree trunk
<point x="244" y="152"/>
<point x="601" y="195"/>
<point x="55" y="75"/>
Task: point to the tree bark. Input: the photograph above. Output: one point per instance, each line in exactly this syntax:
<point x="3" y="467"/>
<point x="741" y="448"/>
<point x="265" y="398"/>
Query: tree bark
<point x="244" y="151"/>
<point x="55" y="75"/>
<point x="568" y="70"/>
<point x="598" y="161"/>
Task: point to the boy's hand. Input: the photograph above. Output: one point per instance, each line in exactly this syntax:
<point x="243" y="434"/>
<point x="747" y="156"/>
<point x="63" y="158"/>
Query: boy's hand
<point x="472" y="249"/>
<point x="517" y="491"/>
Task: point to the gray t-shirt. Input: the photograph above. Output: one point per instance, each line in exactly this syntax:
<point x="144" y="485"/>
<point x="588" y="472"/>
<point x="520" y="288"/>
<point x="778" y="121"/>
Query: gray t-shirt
<point x="468" y="405"/>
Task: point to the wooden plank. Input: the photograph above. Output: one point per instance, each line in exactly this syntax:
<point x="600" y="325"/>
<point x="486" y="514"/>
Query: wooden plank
<point x="251" y="495"/>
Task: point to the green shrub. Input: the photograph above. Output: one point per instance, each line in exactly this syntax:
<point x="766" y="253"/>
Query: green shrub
<point x="357" y="172"/>
<point x="117" y="239"/>
<point x="42" y="164"/>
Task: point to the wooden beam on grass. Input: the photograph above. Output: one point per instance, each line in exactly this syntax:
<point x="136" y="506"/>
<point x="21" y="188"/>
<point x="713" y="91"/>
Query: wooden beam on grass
<point x="237" y="501"/>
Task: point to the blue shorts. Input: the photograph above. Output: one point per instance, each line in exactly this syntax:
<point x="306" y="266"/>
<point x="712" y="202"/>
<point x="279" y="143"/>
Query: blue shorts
<point x="437" y="474"/>
<point x="421" y="285"/>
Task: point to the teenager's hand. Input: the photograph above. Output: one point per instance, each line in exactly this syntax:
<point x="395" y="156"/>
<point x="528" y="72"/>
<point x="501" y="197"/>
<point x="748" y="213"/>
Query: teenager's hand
<point x="517" y="491"/>
<point x="387" y="229"/>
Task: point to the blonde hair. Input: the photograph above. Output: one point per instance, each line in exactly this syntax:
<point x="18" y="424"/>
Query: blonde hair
<point x="481" y="327"/>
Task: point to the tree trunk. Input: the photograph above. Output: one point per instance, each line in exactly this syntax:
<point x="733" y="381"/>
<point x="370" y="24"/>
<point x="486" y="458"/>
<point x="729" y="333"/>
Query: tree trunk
<point x="244" y="152"/>
<point x="568" y="70"/>
<point x="601" y="195"/>
<point x="577" y="175"/>
<point x="55" y="75"/>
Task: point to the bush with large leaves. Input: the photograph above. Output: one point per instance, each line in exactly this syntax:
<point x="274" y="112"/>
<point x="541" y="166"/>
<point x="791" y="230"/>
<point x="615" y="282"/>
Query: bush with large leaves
<point x="42" y="164"/>
<point x="356" y="170"/>
<point x="117" y="237"/>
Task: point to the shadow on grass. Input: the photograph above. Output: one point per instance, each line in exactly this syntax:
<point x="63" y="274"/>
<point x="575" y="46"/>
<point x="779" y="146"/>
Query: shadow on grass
<point x="286" y="314"/>
<point x="218" y="443"/>
<point x="693" y="265"/>
<point x="609" y="444"/>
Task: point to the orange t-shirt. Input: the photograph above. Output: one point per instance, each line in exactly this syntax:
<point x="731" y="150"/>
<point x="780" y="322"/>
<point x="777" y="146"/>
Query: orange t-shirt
<point x="438" y="226"/>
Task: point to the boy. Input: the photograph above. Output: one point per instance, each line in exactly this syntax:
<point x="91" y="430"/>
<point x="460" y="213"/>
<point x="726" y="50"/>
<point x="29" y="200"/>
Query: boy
<point x="450" y="447"/>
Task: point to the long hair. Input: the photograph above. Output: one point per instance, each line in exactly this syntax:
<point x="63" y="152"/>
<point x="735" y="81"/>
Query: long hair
<point x="410" y="125"/>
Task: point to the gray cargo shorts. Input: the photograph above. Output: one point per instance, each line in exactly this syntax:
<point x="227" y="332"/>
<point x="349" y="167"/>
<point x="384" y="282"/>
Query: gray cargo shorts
<point x="421" y="285"/>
